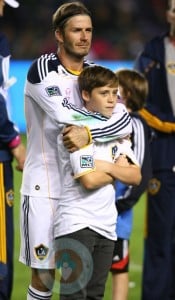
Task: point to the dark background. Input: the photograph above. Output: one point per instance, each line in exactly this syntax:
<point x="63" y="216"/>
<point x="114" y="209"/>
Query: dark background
<point x="121" y="27"/>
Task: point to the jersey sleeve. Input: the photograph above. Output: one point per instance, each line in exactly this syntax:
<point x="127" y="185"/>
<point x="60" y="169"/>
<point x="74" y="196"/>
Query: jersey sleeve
<point x="56" y="106"/>
<point x="118" y="126"/>
<point x="82" y="161"/>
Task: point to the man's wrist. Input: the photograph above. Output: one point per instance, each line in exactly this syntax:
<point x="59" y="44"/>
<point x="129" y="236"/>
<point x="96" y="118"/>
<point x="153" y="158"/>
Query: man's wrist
<point x="89" y="135"/>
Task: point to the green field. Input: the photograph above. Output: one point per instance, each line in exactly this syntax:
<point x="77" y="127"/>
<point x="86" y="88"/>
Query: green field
<point x="22" y="273"/>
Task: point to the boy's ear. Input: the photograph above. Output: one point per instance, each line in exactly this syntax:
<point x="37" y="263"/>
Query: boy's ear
<point x="85" y="95"/>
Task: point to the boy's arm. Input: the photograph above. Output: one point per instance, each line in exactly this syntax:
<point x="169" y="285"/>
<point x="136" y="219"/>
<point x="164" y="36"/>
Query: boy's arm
<point x="95" y="180"/>
<point x="84" y="169"/>
<point x="96" y="173"/>
<point x="104" y="174"/>
<point x="127" y="174"/>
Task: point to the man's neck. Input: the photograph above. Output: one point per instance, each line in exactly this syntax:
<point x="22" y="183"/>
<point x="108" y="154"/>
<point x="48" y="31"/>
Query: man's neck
<point x="71" y="63"/>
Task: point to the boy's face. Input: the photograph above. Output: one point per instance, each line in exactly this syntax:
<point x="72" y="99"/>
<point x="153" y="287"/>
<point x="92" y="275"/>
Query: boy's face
<point x="101" y="99"/>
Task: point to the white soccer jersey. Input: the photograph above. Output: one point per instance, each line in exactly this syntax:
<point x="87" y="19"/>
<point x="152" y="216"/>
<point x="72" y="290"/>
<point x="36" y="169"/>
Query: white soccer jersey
<point x="49" y="90"/>
<point x="80" y="208"/>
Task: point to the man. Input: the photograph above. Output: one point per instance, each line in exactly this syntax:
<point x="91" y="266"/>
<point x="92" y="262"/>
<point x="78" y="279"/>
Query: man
<point x="10" y="146"/>
<point x="157" y="63"/>
<point x="50" y="91"/>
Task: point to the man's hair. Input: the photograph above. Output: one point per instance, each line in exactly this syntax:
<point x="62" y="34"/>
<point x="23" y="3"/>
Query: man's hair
<point x="135" y="87"/>
<point x="66" y="11"/>
<point x="96" y="76"/>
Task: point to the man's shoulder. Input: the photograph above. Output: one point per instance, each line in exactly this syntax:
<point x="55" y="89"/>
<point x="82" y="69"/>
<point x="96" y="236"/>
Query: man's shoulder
<point x="41" y="66"/>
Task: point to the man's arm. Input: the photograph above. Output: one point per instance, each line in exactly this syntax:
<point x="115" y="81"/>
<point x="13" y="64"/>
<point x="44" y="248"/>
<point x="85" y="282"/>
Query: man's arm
<point x="118" y="126"/>
<point x="48" y="89"/>
<point x="49" y="92"/>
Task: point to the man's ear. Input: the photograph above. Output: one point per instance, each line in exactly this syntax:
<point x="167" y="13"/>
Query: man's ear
<point x="58" y="35"/>
<point x="85" y="95"/>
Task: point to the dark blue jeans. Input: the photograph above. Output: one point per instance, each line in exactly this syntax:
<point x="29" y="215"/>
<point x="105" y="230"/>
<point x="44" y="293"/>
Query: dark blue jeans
<point x="88" y="262"/>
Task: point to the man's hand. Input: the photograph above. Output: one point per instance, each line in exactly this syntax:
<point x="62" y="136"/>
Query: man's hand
<point x="75" y="137"/>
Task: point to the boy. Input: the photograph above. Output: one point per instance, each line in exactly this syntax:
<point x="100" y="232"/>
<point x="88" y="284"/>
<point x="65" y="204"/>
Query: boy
<point x="133" y="90"/>
<point x="86" y="212"/>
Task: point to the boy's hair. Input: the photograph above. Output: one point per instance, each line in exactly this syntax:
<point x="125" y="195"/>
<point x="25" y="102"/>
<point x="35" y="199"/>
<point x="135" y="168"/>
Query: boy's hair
<point x="135" y="88"/>
<point x="66" y="11"/>
<point x="96" y="76"/>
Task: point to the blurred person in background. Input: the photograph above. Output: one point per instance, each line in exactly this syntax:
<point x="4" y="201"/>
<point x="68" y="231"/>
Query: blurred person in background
<point x="132" y="90"/>
<point x="157" y="62"/>
<point x="10" y="147"/>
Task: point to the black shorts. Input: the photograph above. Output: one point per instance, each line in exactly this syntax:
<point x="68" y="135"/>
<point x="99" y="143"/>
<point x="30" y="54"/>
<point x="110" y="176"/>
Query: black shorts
<point x="120" y="261"/>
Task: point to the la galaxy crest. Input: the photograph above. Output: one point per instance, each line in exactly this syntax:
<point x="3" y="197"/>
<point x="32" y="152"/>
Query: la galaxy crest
<point x="41" y="251"/>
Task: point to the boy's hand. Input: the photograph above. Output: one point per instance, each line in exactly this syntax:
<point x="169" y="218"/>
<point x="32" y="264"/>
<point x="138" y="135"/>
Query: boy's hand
<point x="122" y="160"/>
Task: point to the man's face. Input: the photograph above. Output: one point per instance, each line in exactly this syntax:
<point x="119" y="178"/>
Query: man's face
<point x="77" y="36"/>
